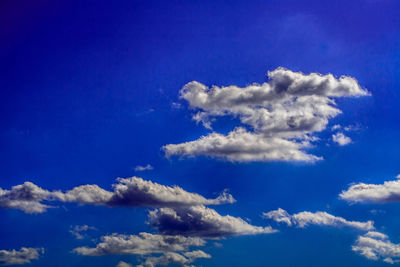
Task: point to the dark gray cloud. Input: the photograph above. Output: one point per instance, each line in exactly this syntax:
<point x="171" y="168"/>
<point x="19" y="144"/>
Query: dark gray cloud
<point x="282" y="113"/>
<point x="202" y="221"/>
<point x="22" y="256"/>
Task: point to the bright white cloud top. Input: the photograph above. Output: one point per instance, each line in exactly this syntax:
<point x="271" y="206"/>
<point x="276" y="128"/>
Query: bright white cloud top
<point x="375" y="246"/>
<point x="341" y="139"/>
<point x="133" y="192"/>
<point x="305" y="218"/>
<point x="282" y="114"/>
<point x="389" y="191"/>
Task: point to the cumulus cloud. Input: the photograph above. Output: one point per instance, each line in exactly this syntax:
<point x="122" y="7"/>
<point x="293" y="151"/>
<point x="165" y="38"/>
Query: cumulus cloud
<point x="22" y="256"/>
<point x="282" y="115"/>
<point x="142" y="244"/>
<point x="341" y="139"/>
<point x="375" y="246"/>
<point x="78" y="231"/>
<point x="26" y="197"/>
<point x="305" y="218"/>
<point x="171" y="248"/>
<point x="202" y="221"/>
<point x="139" y="168"/>
<point x="389" y="191"/>
<point x="132" y="192"/>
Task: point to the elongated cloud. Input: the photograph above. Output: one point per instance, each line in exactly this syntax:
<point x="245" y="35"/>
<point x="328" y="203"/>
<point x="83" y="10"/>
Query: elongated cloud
<point x="282" y="115"/>
<point x="130" y="192"/>
<point x="373" y="193"/>
<point x="202" y="221"/>
<point x="170" y="248"/>
<point x="22" y="256"/>
<point x="305" y="218"/>
<point x="375" y="246"/>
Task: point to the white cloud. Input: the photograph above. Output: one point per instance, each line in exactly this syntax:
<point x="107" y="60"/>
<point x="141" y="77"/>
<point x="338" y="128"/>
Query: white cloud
<point x="22" y="256"/>
<point x="26" y="197"/>
<point x="375" y="246"/>
<point x="202" y="221"/>
<point x="143" y="168"/>
<point x="282" y="113"/>
<point x="305" y="218"/>
<point x="78" y="231"/>
<point x="170" y="248"/>
<point x="389" y="191"/>
<point x="131" y="192"/>
<point x="341" y="139"/>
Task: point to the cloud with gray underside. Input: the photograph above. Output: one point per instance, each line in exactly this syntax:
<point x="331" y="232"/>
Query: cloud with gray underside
<point x="127" y="192"/>
<point x="22" y="256"/>
<point x="279" y="117"/>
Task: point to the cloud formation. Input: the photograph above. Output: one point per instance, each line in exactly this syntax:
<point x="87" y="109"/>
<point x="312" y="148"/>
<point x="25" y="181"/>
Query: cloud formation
<point x="375" y="246"/>
<point x="282" y="115"/>
<point x="170" y="248"/>
<point x="341" y="139"/>
<point x="78" y="231"/>
<point x="22" y="256"/>
<point x="305" y="218"/>
<point x="389" y="191"/>
<point x="202" y="221"/>
<point x="129" y="192"/>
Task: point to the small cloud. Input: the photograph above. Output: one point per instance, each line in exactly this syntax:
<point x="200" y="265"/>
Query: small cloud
<point x="176" y="105"/>
<point x="78" y="230"/>
<point x="341" y="139"/>
<point x="336" y="127"/>
<point x="217" y="245"/>
<point x="22" y="256"/>
<point x="139" y="168"/>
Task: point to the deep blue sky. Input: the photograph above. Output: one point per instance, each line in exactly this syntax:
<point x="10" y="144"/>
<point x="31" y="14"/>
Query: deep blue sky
<point x="86" y="95"/>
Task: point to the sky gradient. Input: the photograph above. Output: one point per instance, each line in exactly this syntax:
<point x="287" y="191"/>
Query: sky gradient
<point x="97" y="92"/>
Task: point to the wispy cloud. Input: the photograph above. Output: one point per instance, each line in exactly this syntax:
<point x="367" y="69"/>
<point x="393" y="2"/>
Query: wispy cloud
<point x="147" y="167"/>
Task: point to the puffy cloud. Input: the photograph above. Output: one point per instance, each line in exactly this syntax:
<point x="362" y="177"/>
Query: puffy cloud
<point x="142" y="244"/>
<point x="26" y="197"/>
<point x="305" y="218"/>
<point x="201" y="221"/>
<point x="341" y="139"/>
<point x="143" y="168"/>
<point x="131" y="192"/>
<point x="172" y="257"/>
<point x="389" y="191"/>
<point x="171" y="248"/>
<point x="22" y="256"/>
<point x="375" y="246"/>
<point x="282" y="113"/>
<point x="79" y="230"/>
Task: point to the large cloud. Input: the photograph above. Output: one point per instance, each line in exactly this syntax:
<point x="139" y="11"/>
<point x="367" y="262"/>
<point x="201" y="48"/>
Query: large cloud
<point x="374" y="193"/>
<point x="375" y="245"/>
<point x="305" y="218"/>
<point x="282" y="114"/>
<point x="22" y="256"/>
<point x="202" y="221"/>
<point x="131" y="192"/>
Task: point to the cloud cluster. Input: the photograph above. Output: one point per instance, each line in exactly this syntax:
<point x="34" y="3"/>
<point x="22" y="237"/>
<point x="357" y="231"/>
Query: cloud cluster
<point x="282" y="115"/>
<point x="202" y="221"/>
<point x="389" y="191"/>
<point x="375" y="245"/>
<point x="170" y="248"/>
<point x="305" y="218"/>
<point x="22" y="256"/>
<point x="131" y="192"/>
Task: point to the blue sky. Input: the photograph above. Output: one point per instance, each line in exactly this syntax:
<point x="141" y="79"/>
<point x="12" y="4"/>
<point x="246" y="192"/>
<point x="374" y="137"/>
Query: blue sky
<point x="91" y="90"/>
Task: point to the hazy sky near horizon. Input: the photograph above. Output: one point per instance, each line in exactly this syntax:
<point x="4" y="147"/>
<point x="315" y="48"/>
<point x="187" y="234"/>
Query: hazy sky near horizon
<point x="206" y="133"/>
